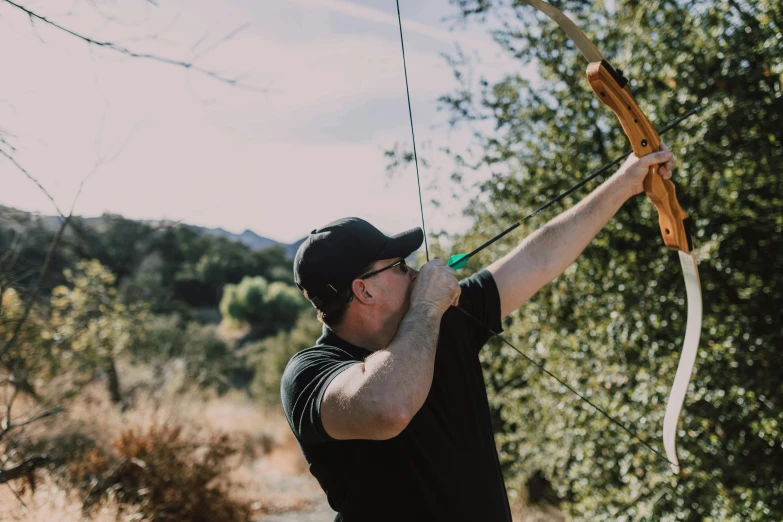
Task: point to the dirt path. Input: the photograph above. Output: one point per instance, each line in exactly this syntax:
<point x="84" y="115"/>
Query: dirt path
<point x="299" y="499"/>
<point x="319" y="511"/>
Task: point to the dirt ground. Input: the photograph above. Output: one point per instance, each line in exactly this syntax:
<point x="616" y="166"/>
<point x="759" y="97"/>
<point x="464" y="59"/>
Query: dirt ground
<point x="318" y="511"/>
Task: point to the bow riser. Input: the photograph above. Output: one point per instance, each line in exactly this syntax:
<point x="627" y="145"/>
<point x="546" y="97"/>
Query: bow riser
<point x="644" y="140"/>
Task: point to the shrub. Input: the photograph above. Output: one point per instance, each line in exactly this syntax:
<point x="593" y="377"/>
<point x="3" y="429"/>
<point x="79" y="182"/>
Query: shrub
<point x="267" y="307"/>
<point x="208" y="359"/>
<point x="164" y="474"/>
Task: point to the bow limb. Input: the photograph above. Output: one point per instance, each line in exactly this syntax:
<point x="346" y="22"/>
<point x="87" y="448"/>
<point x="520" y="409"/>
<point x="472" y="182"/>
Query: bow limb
<point x="613" y="90"/>
<point x="674" y="224"/>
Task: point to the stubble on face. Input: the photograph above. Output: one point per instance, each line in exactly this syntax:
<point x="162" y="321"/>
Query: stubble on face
<point x="397" y="289"/>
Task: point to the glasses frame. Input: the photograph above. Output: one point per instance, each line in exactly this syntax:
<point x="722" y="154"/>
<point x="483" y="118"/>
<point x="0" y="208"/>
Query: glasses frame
<point x="400" y="263"/>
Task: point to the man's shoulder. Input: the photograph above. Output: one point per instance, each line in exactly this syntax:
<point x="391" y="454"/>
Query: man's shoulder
<point x="308" y="373"/>
<point x="315" y="357"/>
<point x="321" y="352"/>
<point x="480" y="280"/>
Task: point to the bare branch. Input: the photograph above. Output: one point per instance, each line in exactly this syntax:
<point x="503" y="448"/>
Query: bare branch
<point x="56" y="242"/>
<point x="223" y="40"/>
<point x="5" y="142"/>
<point x="9" y="258"/>
<point x="48" y="413"/>
<point x="31" y="300"/>
<point x="31" y="178"/>
<point x="234" y="82"/>
<point x="6" y="423"/>
<point x="21" y="276"/>
<point x="18" y="498"/>
<point x="24" y="468"/>
<point x="7" y="261"/>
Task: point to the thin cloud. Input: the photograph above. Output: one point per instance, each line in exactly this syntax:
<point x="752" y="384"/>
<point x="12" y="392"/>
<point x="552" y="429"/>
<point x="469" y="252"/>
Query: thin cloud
<point x="387" y="18"/>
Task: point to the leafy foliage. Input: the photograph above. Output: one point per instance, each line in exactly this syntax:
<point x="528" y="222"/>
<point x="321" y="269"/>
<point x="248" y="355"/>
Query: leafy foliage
<point x="170" y="268"/>
<point x="267" y="307"/>
<point x="24" y="242"/>
<point x="208" y="360"/>
<point x="612" y="324"/>
<point x="95" y="326"/>
<point x="25" y="359"/>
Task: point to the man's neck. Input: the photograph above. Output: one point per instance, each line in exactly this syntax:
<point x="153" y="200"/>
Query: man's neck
<point x="367" y="334"/>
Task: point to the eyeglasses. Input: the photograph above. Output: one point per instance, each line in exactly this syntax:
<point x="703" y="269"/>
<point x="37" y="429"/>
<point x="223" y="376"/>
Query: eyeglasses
<point x="401" y="263"/>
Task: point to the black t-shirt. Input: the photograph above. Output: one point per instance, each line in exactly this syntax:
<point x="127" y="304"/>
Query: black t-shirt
<point x="444" y="464"/>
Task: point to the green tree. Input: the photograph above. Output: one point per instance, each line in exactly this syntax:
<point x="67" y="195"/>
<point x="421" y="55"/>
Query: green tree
<point x="118" y="243"/>
<point x="267" y="307"/>
<point x="213" y="262"/>
<point x="27" y="359"/>
<point x="94" y="325"/>
<point x="24" y="242"/>
<point x="612" y="324"/>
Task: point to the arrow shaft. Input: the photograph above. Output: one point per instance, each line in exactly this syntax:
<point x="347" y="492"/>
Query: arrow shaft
<point x="575" y="187"/>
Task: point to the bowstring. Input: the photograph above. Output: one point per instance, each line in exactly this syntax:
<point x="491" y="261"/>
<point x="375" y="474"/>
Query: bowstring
<point x="616" y="422"/>
<point x="413" y="136"/>
<point x="570" y="388"/>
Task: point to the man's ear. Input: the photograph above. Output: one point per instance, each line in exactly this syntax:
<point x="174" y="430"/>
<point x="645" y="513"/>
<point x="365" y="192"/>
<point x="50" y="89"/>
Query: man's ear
<point x="361" y="292"/>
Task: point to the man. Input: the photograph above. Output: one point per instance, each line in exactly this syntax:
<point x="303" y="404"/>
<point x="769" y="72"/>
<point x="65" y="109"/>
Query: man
<point x="389" y="407"/>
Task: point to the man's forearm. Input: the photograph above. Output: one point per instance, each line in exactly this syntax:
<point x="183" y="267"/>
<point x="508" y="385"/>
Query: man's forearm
<point x="403" y="371"/>
<point x="543" y="255"/>
<point x="552" y="248"/>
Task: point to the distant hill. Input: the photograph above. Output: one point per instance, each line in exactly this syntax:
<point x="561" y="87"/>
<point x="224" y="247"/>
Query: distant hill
<point x="248" y="237"/>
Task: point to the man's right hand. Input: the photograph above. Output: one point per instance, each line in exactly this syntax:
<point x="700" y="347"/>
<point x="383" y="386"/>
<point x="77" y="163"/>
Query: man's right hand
<point x="436" y="286"/>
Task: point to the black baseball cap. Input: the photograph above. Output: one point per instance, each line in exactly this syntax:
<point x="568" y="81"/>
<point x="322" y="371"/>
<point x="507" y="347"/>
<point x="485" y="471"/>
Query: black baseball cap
<point x="332" y="256"/>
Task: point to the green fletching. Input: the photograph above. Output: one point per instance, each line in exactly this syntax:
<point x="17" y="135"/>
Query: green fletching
<point x="458" y="261"/>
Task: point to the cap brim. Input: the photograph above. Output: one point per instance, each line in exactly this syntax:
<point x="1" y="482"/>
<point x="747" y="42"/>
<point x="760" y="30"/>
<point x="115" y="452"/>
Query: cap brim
<point x="402" y="244"/>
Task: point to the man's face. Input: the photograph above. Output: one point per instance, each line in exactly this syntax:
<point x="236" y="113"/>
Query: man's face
<point x="392" y="287"/>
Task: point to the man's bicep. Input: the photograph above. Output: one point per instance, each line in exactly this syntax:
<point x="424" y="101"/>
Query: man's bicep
<point x="351" y="410"/>
<point x="517" y="280"/>
<point x="302" y="388"/>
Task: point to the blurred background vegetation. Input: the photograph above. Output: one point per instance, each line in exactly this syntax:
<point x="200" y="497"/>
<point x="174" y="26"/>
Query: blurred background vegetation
<point x="142" y="310"/>
<point x="150" y="292"/>
<point x="131" y="322"/>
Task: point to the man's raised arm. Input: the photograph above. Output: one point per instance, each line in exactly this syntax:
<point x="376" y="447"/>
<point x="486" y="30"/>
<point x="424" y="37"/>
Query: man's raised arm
<point x="546" y="253"/>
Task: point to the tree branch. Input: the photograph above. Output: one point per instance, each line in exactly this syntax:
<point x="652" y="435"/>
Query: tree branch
<point x="23" y="468"/>
<point x="31" y="178"/>
<point x="8" y="426"/>
<point x="234" y="82"/>
<point x="31" y="300"/>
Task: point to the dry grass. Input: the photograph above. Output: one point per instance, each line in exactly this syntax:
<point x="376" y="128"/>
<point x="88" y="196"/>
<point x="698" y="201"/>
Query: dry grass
<point x="267" y="473"/>
<point x="51" y="503"/>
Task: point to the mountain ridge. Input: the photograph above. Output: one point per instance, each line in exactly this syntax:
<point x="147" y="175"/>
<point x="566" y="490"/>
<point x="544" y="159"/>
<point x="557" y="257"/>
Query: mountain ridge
<point x="247" y="237"/>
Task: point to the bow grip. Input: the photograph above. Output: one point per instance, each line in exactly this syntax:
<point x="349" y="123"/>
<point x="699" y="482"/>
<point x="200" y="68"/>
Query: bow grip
<point x="644" y="140"/>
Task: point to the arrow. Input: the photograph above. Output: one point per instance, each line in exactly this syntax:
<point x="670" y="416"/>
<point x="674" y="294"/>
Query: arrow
<point x="458" y="261"/>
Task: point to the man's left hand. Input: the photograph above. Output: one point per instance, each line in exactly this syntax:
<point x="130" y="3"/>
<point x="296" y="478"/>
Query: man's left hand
<point x="635" y="169"/>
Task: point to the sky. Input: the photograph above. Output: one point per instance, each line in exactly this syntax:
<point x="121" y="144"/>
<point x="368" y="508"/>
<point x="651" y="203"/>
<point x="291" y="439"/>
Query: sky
<point x="301" y="146"/>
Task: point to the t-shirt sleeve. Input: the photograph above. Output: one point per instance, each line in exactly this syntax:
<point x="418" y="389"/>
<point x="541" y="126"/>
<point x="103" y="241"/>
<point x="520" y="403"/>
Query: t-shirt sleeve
<point x="302" y="388"/>
<point x="480" y="304"/>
